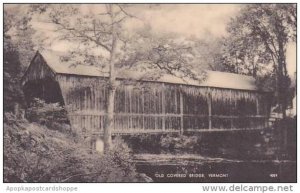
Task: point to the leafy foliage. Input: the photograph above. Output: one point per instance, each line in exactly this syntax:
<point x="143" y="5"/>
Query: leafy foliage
<point x="159" y="54"/>
<point x="52" y="115"/>
<point x="143" y="143"/>
<point x="169" y="143"/>
<point x="179" y="142"/>
<point x="257" y="44"/>
<point x="11" y="76"/>
<point x="17" y="52"/>
<point x="33" y="153"/>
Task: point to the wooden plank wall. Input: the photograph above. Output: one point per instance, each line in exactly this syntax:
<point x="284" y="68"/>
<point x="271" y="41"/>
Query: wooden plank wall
<point x="160" y="107"/>
<point x="85" y="100"/>
<point x="37" y="70"/>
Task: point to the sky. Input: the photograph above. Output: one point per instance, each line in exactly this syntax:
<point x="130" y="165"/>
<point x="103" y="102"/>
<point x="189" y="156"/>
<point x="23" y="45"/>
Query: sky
<point x="200" y="20"/>
<point x="196" y="20"/>
<point x="186" y="20"/>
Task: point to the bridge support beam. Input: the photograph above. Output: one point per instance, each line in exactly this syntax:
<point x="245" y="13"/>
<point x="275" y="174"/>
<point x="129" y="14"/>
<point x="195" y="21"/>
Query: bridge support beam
<point x="181" y="112"/>
<point x="163" y="108"/>
<point x="209" y="109"/>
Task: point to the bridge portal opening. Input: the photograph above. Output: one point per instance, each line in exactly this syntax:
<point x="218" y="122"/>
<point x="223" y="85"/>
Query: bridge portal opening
<point x="46" y="89"/>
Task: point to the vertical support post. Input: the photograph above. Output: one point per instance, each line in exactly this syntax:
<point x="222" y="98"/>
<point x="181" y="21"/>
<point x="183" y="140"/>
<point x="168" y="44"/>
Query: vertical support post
<point x="163" y="103"/>
<point x="130" y="90"/>
<point x="143" y="107"/>
<point x="230" y="101"/>
<point x="257" y="112"/>
<point x="209" y="109"/>
<point x="181" y="111"/>
<point x="265" y="112"/>
<point x="257" y="104"/>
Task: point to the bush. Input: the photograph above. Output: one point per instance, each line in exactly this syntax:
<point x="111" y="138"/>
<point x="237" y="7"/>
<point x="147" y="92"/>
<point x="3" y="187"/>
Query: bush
<point x="166" y="143"/>
<point x="287" y="128"/>
<point x="179" y="142"/>
<point x="51" y="115"/>
<point x="33" y="153"/>
<point x="81" y="166"/>
<point x="121" y="158"/>
<point x="144" y="143"/>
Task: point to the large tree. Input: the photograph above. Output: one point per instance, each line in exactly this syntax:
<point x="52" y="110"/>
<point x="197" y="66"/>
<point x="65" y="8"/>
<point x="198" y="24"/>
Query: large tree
<point x="258" y="37"/>
<point x="100" y="30"/>
<point x="17" y="51"/>
<point x="103" y="39"/>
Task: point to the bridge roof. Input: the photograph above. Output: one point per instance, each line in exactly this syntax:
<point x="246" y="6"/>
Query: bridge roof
<point x="213" y="78"/>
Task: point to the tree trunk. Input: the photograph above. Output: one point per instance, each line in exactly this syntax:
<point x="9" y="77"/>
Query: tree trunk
<point x="111" y="88"/>
<point x="282" y="82"/>
<point x="282" y="90"/>
<point x="254" y="67"/>
<point x="109" y="121"/>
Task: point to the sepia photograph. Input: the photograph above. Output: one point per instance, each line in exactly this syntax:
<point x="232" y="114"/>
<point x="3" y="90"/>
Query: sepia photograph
<point x="149" y="93"/>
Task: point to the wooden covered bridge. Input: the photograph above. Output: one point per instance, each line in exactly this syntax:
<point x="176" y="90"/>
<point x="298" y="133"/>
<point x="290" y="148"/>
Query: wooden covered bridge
<point x="223" y="102"/>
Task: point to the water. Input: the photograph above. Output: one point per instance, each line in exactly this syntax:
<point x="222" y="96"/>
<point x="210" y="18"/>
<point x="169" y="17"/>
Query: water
<point x="195" y="168"/>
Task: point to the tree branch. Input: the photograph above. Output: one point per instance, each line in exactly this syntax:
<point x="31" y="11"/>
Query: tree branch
<point x="125" y="12"/>
<point x="80" y="34"/>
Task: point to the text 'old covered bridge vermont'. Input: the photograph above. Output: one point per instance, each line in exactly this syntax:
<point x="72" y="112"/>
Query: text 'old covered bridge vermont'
<point x="223" y="102"/>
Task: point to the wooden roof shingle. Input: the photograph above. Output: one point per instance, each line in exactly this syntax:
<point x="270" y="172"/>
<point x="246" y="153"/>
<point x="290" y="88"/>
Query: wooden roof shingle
<point x="213" y="79"/>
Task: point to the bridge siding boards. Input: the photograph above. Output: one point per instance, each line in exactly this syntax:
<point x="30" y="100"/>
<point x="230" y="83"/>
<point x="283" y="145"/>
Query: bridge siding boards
<point x="150" y="107"/>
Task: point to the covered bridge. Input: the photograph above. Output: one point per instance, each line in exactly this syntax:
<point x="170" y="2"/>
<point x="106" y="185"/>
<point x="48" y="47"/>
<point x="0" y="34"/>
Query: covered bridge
<point x="223" y="102"/>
